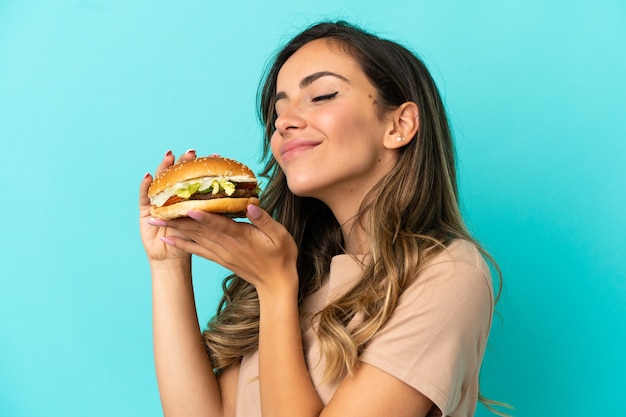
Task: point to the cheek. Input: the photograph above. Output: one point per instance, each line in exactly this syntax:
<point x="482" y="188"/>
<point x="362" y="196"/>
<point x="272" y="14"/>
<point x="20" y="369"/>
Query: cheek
<point x="275" y="147"/>
<point x="338" y="123"/>
<point x="346" y="122"/>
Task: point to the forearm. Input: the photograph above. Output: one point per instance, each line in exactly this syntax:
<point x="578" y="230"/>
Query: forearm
<point x="285" y="383"/>
<point x="187" y="384"/>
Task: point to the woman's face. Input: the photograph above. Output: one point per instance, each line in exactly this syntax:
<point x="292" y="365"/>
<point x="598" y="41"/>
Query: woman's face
<point x="329" y="133"/>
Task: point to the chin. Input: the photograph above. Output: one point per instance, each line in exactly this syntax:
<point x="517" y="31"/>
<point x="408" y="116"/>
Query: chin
<point x="301" y="185"/>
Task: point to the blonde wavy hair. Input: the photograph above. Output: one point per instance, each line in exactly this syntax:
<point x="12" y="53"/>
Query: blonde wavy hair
<point x="412" y="214"/>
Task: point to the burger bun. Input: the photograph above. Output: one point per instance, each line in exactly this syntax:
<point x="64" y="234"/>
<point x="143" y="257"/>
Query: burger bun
<point x="207" y="166"/>
<point x="231" y="207"/>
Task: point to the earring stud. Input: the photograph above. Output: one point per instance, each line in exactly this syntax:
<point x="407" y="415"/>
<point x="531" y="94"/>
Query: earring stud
<point x="399" y="138"/>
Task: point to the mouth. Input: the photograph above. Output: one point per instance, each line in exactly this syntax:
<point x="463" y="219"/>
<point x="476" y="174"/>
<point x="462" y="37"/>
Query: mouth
<point x="295" y="147"/>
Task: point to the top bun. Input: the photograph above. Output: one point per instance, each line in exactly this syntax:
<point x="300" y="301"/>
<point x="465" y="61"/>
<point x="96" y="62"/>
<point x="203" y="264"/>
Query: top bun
<point x="206" y="166"/>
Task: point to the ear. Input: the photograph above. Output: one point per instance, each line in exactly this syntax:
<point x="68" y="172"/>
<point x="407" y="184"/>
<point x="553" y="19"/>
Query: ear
<point x="405" y="124"/>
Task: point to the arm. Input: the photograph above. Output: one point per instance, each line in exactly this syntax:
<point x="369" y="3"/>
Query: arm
<point x="284" y="380"/>
<point x="285" y="385"/>
<point x="370" y="392"/>
<point x="187" y="384"/>
<point x="287" y="390"/>
<point x="269" y="255"/>
<point x="435" y="339"/>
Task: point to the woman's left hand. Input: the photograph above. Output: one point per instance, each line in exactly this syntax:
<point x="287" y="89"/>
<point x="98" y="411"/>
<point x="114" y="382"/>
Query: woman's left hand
<point x="262" y="252"/>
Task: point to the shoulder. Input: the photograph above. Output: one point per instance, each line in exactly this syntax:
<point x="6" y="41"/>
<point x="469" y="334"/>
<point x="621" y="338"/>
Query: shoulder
<point x="458" y="251"/>
<point x="457" y="268"/>
<point x="451" y="290"/>
<point x="434" y="340"/>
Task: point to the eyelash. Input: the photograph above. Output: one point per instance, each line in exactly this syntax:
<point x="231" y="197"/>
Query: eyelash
<point x="320" y="98"/>
<point x="324" y="97"/>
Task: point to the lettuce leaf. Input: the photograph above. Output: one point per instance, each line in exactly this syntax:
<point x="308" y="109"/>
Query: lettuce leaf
<point x="214" y="186"/>
<point x="187" y="191"/>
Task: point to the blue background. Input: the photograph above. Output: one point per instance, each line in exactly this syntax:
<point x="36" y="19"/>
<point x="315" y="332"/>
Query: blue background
<point x="92" y="93"/>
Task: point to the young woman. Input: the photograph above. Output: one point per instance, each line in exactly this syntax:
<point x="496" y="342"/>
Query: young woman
<point x="357" y="289"/>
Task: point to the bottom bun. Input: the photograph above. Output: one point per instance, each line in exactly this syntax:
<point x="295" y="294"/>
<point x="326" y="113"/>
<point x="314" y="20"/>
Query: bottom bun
<point x="231" y="207"/>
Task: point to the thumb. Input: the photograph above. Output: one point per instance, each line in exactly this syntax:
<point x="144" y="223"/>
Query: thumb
<point x="255" y="213"/>
<point x="274" y="231"/>
<point x="263" y="221"/>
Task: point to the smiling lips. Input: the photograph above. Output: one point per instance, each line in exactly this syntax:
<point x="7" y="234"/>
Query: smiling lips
<point x="295" y="147"/>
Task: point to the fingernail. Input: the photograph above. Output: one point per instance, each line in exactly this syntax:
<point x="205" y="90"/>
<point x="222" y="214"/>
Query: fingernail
<point x="196" y="215"/>
<point x="147" y="174"/>
<point x="191" y="151"/>
<point x="215" y="155"/>
<point x="254" y="212"/>
<point x="167" y="240"/>
<point x="157" y="222"/>
<point x="168" y="153"/>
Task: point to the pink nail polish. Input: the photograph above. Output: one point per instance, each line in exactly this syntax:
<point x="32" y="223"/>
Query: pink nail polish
<point x="167" y="240"/>
<point x="157" y="222"/>
<point x="195" y="215"/>
<point x="254" y="212"/>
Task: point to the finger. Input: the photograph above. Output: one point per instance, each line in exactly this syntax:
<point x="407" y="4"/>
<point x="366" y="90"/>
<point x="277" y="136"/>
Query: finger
<point x="192" y="248"/>
<point x="168" y="160"/>
<point x="187" y="156"/>
<point x="216" y="224"/>
<point x="263" y="221"/>
<point x="217" y="234"/>
<point x="205" y="240"/>
<point x="143" y="190"/>
<point x="157" y="222"/>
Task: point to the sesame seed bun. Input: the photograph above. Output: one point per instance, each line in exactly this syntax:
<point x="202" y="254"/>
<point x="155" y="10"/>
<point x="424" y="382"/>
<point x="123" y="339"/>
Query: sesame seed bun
<point x="206" y="166"/>
<point x="231" y="207"/>
<point x="200" y="168"/>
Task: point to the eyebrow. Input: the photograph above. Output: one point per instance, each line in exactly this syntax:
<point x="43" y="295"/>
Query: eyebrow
<point x="309" y="79"/>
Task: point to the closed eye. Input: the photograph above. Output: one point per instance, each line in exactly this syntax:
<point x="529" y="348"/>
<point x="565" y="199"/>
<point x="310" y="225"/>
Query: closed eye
<point x="325" y="97"/>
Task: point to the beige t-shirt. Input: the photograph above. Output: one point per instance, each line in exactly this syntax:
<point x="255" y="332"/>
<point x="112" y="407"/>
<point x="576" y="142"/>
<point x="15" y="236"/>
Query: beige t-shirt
<point x="434" y="341"/>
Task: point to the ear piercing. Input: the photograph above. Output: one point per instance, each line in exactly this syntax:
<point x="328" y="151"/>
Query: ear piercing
<point x="399" y="138"/>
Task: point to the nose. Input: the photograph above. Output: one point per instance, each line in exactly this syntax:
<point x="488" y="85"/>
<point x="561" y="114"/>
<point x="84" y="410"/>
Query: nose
<point x="290" y="119"/>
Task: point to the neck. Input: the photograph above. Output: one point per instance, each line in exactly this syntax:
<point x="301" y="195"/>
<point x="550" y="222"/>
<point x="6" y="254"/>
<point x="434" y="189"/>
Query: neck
<point x="354" y="234"/>
<point x="345" y="204"/>
<point x="353" y="245"/>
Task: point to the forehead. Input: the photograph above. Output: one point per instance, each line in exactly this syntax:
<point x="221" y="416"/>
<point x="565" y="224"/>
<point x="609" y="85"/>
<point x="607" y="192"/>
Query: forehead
<point x="315" y="56"/>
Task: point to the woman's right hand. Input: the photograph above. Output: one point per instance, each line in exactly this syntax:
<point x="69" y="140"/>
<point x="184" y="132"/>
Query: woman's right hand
<point x="151" y="232"/>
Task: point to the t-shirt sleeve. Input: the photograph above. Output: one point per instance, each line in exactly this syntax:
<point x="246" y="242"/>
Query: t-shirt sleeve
<point x="435" y="339"/>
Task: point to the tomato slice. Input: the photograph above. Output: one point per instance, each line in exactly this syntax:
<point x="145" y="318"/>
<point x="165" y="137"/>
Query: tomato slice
<point x="173" y="199"/>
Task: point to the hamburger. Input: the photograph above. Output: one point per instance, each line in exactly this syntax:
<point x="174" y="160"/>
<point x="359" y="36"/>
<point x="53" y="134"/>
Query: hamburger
<point x="212" y="183"/>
